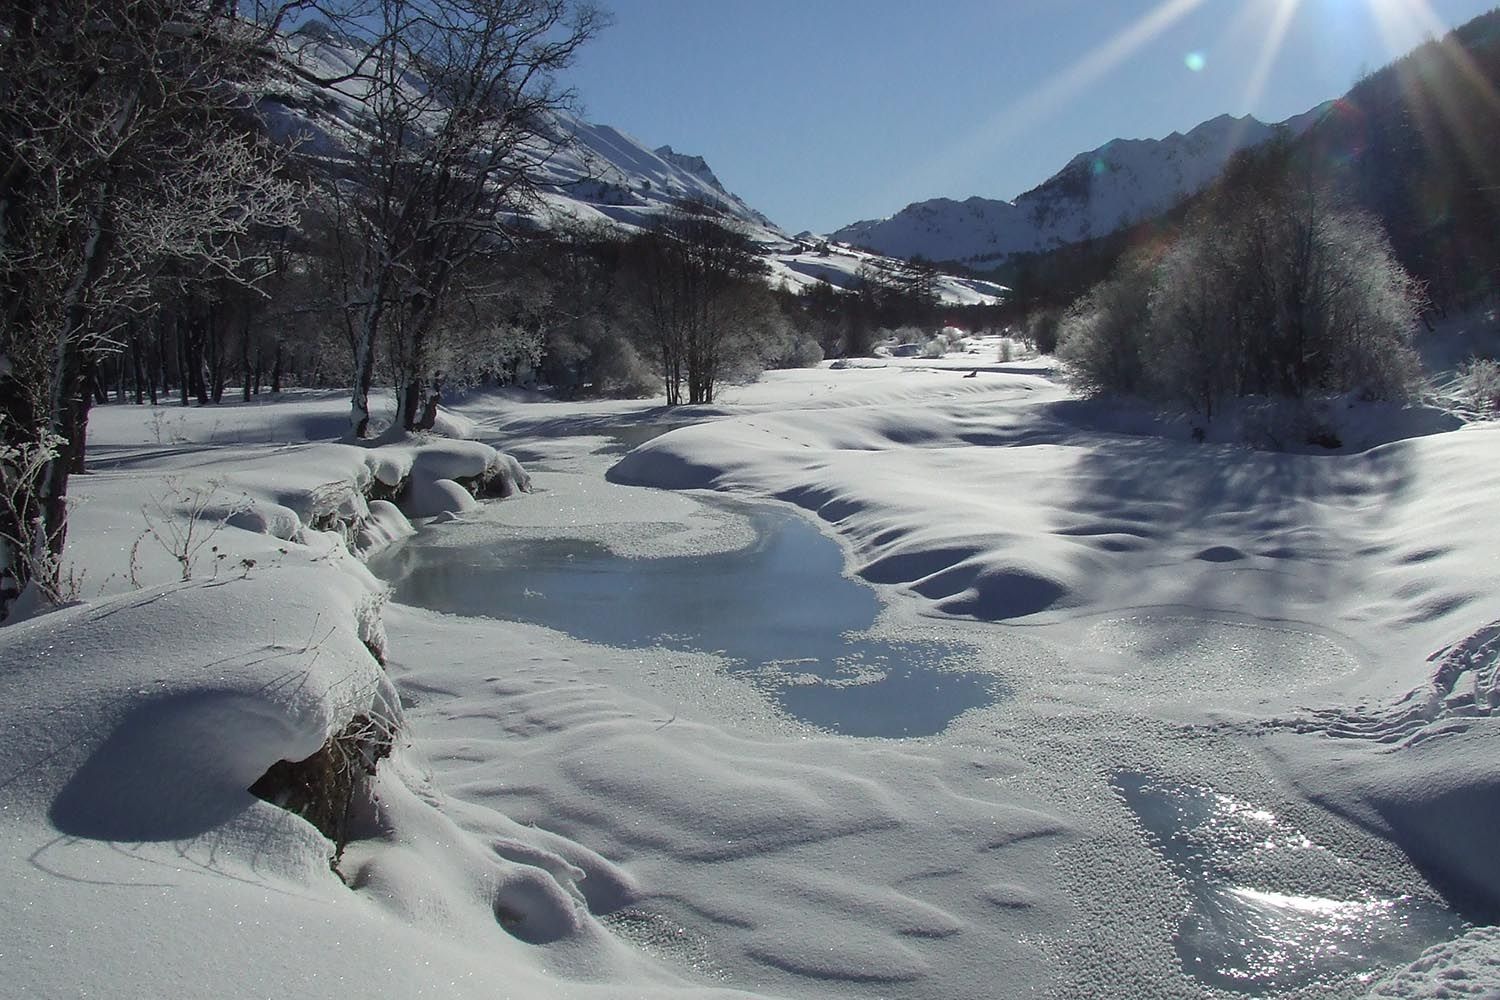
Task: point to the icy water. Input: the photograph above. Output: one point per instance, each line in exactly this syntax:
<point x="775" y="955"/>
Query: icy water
<point x="1244" y="930"/>
<point x="780" y="610"/>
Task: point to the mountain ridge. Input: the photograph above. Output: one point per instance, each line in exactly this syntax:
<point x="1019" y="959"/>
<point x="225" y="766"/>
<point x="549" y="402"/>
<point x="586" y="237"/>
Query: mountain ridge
<point x="1097" y="192"/>
<point x="588" y="172"/>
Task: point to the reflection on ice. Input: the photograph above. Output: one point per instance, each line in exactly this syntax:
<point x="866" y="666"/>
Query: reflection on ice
<point x="1242" y="934"/>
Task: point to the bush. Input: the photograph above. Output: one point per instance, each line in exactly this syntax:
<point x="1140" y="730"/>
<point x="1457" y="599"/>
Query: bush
<point x="794" y="350"/>
<point x="1272" y="289"/>
<point x="1101" y="336"/>
<point x="935" y="348"/>
<point x="1012" y="349"/>
<point x="1479" y="384"/>
<point x="1041" y="328"/>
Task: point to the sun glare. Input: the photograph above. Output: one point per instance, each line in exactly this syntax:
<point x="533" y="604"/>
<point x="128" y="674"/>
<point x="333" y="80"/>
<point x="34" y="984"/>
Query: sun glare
<point x="985" y="140"/>
<point x="1270" y="48"/>
<point x="1403" y="23"/>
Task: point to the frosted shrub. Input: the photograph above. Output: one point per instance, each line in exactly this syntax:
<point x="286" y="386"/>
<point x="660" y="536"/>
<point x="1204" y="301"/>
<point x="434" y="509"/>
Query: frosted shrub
<point x="1101" y="336"/>
<point x="1479" y="384"/>
<point x="1272" y="289"/>
<point x="1041" y="329"/>
<point x="1371" y="311"/>
<point x="1012" y="349"/>
<point x="791" y="349"/>
<point x="1191" y="336"/>
<point x="935" y="348"/>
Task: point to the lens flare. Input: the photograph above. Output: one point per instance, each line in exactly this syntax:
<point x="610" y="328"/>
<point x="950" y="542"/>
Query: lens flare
<point x="1046" y="100"/>
<point x="1195" y="61"/>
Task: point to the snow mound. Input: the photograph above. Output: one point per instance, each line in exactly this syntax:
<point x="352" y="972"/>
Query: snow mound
<point x="136" y="857"/>
<point x="1468" y="966"/>
<point x="431" y="497"/>
<point x="384" y="526"/>
<point x="130" y="722"/>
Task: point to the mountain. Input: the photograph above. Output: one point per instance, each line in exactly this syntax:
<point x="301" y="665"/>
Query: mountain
<point x="1096" y="193"/>
<point x="592" y="173"/>
<point x="604" y="172"/>
<point x="1416" y="145"/>
<point x="1412" y="144"/>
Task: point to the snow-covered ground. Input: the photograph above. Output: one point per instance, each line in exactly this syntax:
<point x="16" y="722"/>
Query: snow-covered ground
<point x="1237" y="689"/>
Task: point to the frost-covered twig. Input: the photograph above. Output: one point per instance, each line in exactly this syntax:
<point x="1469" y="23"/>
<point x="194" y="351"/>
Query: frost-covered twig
<point x="183" y="537"/>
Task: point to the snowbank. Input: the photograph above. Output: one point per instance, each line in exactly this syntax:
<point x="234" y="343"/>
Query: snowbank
<point x="137" y="861"/>
<point x="1466" y="967"/>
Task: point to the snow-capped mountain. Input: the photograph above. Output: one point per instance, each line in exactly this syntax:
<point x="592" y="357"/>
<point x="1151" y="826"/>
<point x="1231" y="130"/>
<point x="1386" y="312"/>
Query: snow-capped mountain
<point x="604" y="172"/>
<point x="1120" y="183"/>
<point x="596" y="173"/>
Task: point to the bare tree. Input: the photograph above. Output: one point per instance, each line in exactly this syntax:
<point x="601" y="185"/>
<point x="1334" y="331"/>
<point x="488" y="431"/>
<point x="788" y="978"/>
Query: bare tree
<point x="127" y="142"/>
<point x="702" y="299"/>
<point x="458" y="105"/>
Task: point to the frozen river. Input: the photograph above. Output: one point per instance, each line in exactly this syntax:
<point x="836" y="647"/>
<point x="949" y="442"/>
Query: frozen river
<point x="778" y="610"/>
<point x="1266" y="910"/>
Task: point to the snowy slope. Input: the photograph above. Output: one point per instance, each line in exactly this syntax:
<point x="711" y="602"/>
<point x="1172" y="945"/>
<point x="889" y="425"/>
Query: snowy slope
<point x="1121" y="182"/>
<point x="609" y="172"/>
<point x="598" y="173"/>
<point x="798" y="265"/>
<point x="597" y="169"/>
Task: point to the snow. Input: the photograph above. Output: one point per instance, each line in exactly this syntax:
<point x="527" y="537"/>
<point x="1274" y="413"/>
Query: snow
<point x="598" y="174"/>
<point x="798" y="267"/>
<point x="1469" y="967"/>
<point x="1311" y="635"/>
<point x="1122" y="182"/>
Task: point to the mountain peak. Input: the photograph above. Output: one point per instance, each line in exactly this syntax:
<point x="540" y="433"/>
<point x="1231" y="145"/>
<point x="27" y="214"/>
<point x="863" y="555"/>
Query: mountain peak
<point x="1096" y="193"/>
<point x="695" y="165"/>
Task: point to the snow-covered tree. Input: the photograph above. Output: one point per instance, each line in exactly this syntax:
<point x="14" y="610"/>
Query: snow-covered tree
<point x="127" y="145"/>
<point x="1102" y="335"/>
<point x="1272" y="287"/>
<point x="457" y="112"/>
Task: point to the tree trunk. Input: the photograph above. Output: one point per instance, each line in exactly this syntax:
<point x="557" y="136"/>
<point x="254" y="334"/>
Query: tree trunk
<point x="364" y="366"/>
<point x="138" y="370"/>
<point x="428" y="420"/>
<point x="411" y="402"/>
<point x="182" y="360"/>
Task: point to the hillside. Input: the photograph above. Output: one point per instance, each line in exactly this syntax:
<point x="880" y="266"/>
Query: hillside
<point x="1095" y="194"/>
<point x="595" y="173"/>
<point x="1413" y="144"/>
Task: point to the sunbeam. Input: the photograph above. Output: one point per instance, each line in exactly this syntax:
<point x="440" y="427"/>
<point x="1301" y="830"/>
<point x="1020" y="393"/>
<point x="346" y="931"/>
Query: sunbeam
<point x="1270" y="48"/>
<point x="985" y="140"/>
<point x="1402" y="23"/>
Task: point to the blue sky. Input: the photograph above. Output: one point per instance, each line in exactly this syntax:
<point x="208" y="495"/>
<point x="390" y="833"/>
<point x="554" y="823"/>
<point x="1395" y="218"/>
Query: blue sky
<point x="822" y="112"/>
